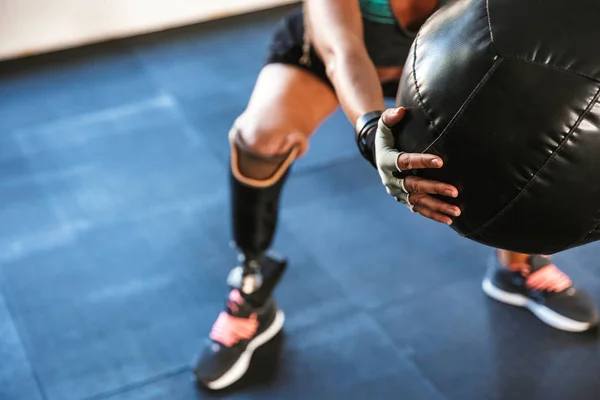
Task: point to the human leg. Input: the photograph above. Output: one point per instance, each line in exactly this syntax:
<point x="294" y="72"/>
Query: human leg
<point x="286" y="107"/>
<point x="534" y="282"/>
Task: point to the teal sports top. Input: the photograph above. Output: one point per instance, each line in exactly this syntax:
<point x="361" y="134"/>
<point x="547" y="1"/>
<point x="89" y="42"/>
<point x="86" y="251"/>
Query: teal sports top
<point x="387" y="42"/>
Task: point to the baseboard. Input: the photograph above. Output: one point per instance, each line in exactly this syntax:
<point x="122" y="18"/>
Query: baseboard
<point x="31" y="27"/>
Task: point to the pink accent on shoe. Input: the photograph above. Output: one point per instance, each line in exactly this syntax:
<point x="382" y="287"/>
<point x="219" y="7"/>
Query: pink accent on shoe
<point x="236" y="296"/>
<point x="548" y="278"/>
<point x="229" y="329"/>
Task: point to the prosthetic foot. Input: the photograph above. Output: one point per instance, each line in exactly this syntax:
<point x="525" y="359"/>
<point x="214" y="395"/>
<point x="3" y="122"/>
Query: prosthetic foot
<point x="251" y="317"/>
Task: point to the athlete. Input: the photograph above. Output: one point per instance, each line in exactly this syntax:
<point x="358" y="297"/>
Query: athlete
<point x="324" y="55"/>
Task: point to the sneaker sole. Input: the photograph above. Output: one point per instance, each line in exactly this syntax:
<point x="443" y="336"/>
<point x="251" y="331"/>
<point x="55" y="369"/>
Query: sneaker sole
<point x="545" y="314"/>
<point x="241" y="365"/>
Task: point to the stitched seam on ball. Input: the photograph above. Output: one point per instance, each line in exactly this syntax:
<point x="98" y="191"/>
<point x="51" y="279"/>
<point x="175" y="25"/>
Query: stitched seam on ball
<point x="547" y="65"/>
<point x="466" y="103"/>
<point x="535" y="176"/>
<point x="461" y="110"/>
<point x="419" y="95"/>
<point x="594" y="229"/>
<point x="552" y="66"/>
<point x="489" y="24"/>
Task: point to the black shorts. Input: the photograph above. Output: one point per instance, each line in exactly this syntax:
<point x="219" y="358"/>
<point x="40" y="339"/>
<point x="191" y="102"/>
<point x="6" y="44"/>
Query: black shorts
<point x="286" y="48"/>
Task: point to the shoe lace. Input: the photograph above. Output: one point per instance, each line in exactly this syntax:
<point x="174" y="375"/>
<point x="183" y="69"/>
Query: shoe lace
<point x="548" y="278"/>
<point x="229" y="329"/>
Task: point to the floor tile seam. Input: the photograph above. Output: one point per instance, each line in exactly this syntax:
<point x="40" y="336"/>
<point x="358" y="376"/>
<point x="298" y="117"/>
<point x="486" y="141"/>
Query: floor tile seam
<point x="132" y="386"/>
<point x="407" y="353"/>
<point x="159" y="100"/>
<point x="22" y="334"/>
<point x="82" y="225"/>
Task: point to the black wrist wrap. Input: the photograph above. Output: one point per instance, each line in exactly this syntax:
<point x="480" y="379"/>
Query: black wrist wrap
<point x="364" y="133"/>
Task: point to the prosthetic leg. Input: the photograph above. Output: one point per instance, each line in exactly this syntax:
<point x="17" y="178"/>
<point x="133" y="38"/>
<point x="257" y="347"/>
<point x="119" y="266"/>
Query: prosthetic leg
<point x="256" y="184"/>
<point x="251" y="317"/>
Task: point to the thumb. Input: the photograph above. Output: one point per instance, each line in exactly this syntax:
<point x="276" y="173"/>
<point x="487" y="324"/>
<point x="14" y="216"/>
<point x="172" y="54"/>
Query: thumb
<point x="386" y="154"/>
<point x="392" y="116"/>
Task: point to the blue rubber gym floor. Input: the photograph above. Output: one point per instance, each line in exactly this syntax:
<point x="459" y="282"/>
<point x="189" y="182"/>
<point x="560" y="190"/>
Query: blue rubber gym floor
<point x="114" y="247"/>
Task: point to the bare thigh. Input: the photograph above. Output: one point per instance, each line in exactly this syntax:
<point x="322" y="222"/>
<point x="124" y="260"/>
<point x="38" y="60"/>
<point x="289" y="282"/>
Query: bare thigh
<point x="286" y="107"/>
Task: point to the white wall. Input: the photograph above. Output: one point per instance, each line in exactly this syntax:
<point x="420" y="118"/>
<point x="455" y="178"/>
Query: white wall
<point x="34" y="26"/>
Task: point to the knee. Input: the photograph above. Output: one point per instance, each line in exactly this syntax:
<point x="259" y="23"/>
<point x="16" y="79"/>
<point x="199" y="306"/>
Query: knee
<point x="260" y="153"/>
<point x="265" y="138"/>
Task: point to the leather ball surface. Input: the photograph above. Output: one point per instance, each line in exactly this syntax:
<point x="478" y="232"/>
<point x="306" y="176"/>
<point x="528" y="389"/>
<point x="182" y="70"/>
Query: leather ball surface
<point x="506" y="93"/>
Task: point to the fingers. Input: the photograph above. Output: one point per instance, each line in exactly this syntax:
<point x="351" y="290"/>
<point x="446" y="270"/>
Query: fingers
<point x="402" y="161"/>
<point x="433" y="208"/>
<point x="408" y="161"/>
<point x="438" y="217"/>
<point x="392" y="116"/>
<point x="414" y="184"/>
<point x="434" y="204"/>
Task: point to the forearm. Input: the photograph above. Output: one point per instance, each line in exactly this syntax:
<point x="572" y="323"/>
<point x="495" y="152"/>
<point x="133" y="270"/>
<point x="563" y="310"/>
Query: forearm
<point x="360" y="94"/>
<point x="355" y="80"/>
<point x="338" y="39"/>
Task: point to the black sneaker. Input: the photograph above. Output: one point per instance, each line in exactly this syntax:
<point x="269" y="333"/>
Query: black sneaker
<point x="545" y="290"/>
<point x="237" y="333"/>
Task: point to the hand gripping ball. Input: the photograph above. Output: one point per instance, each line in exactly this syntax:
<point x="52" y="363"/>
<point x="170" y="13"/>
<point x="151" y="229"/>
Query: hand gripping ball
<point x="506" y="93"/>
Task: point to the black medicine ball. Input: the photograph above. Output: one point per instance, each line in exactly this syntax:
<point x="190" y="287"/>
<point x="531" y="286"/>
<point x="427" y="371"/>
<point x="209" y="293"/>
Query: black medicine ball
<point x="506" y="93"/>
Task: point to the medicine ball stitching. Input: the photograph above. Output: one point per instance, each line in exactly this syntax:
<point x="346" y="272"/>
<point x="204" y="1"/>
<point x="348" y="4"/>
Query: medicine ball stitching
<point x="568" y="135"/>
<point x="595" y="230"/>
<point x="584" y="239"/>
<point x="596" y="223"/>
<point x="486" y="77"/>
<point x="552" y="66"/>
<point x="534" y="178"/>
<point x="531" y="61"/>
<point x="489" y="23"/>
<point x="461" y="110"/>
<point x="467" y="101"/>
<point x="419" y="96"/>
